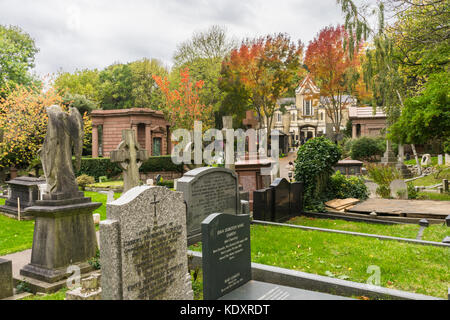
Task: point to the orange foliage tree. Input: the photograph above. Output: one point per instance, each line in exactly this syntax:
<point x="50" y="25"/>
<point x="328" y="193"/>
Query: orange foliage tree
<point x="23" y="123"/>
<point x="182" y="105"/>
<point x="262" y="70"/>
<point x="333" y="71"/>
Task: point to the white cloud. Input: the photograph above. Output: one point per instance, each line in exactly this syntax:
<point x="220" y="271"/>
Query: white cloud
<point x="79" y="34"/>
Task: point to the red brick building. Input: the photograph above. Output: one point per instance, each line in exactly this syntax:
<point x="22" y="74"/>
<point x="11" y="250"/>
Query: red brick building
<point x="152" y="130"/>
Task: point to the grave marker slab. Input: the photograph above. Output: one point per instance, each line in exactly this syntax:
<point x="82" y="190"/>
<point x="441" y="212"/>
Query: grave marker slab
<point x="296" y="198"/>
<point x="281" y="201"/>
<point x="262" y="204"/>
<point x="226" y="255"/>
<point x="208" y="190"/>
<point x="6" y="279"/>
<point x="143" y="249"/>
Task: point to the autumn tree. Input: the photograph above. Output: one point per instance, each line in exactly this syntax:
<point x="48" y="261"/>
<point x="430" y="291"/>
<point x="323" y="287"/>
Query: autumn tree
<point x="260" y="71"/>
<point x="182" y="105"/>
<point x="203" y="54"/>
<point x="333" y="71"/>
<point x="23" y="121"/>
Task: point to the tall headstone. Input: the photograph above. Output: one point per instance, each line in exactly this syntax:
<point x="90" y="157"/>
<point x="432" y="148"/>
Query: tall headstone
<point x="208" y="190"/>
<point x="281" y="199"/>
<point x="226" y="256"/>
<point x="143" y="251"/>
<point x="6" y="279"/>
<point x="130" y="156"/>
<point x="440" y="159"/>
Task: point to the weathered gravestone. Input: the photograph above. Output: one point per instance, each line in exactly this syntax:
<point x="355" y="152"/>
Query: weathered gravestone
<point x="296" y="198"/>
<point x="208" y="190"/>
<point x="281" y="199"/>
<point x="130" y="156"/>
<point x="226" y="264"/>
<point x="426" y="159"/>
<point x="143" y="249"/>
<point x="24" y="188"/>
<point x="399" y="189"/>
<point x="6" y="279"/>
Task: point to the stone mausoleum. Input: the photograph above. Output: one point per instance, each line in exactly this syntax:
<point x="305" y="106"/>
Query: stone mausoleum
<point x="152" y="130"/>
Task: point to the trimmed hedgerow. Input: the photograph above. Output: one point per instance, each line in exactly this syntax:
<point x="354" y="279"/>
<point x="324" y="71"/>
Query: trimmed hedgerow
<point x="98" y="167"/>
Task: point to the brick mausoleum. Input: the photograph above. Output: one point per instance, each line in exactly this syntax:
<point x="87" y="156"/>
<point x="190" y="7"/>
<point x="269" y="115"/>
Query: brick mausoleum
<point x="153" y="131"/>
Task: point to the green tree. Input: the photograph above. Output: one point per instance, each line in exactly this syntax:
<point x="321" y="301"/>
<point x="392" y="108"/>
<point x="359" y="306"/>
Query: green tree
<point x="82" y="82"/>
<point x="115" y="89"/>
<point x="144" y="91"/>
<point x="426" y="116"/>
<point x="17" y="54"/>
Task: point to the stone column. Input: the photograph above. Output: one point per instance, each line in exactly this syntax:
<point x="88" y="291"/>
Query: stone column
<point x="148" y="139"/>
<point x="94" y="141"/>
<point x="134" y="127"/>
<point x="354" y="132"/>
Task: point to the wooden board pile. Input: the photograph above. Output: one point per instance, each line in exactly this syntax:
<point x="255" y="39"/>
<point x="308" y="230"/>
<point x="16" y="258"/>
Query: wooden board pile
<point x="340" y="205"/>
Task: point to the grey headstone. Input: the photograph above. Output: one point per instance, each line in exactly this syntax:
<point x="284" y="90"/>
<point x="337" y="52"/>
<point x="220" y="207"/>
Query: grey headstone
<point x="226" y="255"/>
<point x="6" y="279"/>
<point x="447" y="221"/>
<point x="245" y="207"/>
<point x="208" y="190"/>
<point x="281" y="199"/>
<point x="143" y="250"/>
<point x="424" y="223"/>
<point x="426" y="159"/>
<point x="399" y="189"/>
<point x="446" y="240"/>
<point x="447" y="159"/>
<point x="109" y="196"/>
<point x="440" y="159"/>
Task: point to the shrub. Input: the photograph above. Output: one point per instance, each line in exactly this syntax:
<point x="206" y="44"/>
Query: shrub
<point x="366" y="148"/>
<point x="161" y="163"/>
<point x="314" y="167"/>
<point x="383" y="175"/>
<point x="342" y="187"/>
<point x="412" y="193"/>
<point x="84" y="180"/>
<point x="166" y="183"/>
<point x="346" y="146"/>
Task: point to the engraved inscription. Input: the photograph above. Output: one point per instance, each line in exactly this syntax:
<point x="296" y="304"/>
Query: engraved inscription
<point x="153" y="257"/>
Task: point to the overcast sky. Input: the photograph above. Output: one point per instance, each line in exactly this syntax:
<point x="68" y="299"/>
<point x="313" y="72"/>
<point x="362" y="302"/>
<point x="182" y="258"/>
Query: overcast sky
<point x="78" y="34"/>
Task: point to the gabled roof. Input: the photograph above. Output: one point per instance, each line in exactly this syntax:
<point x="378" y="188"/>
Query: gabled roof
<point x="307" y="83"/>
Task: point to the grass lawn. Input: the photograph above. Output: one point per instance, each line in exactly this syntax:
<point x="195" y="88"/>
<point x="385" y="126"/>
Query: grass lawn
<point x="434" y="161"/>
<point x="59" y="295"/>
<point x="433" y="196"/>
<point x="408" y="267"/>
<point x="432" y="233"/>
<point x="107" y="184"/>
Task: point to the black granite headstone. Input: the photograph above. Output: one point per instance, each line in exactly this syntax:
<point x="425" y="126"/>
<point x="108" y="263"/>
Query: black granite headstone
<point x="226" y="255"/>
<point x="262" y="204"/>
<point x="296" y="198"/>
<point x="281" y="202"/>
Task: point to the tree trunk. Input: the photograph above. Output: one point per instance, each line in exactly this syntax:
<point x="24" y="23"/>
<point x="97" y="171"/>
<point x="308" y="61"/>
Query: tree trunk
<point x="413" y="147"/>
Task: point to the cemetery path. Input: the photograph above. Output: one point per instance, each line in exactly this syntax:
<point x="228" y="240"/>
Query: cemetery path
<point x="408" y="208"/>
<point x="284" y="170"/>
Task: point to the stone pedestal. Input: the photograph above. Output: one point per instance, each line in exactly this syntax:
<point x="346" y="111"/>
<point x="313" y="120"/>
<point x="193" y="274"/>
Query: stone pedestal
<point x="403" y="169"/>
<point x="389" y="156"/>
<point x="64" y="235"/>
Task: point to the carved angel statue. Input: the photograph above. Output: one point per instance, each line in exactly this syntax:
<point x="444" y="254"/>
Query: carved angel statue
<point x="64" y="134"/>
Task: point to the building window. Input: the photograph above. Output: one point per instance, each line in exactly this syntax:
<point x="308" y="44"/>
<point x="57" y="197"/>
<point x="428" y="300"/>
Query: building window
<point x="293" y="116"/>
<point x="321" y="116"/>
<point x="307" y="108"/>
<point x="279" y="117"/>
<point x="156" y="147"/>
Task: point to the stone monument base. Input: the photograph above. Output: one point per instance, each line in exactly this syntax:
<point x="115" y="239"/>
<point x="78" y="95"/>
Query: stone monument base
<point x="64" y="235"/>
<point x="405" y="172"/>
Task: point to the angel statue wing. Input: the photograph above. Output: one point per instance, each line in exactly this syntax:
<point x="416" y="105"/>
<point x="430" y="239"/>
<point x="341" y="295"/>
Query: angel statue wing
<point x="76" y="133"/>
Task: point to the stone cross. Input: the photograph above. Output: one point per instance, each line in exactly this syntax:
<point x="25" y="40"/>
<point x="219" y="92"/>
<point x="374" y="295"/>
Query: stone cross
<point x="129" y="155"/>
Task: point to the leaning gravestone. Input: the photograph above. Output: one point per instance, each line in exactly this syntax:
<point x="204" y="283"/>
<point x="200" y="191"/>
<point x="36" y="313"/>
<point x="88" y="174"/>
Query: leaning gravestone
<point x="208" y="190"/>
<point x="226" y="263"/>
<point x="143" y="249"/>
<point x="399" y="189"/>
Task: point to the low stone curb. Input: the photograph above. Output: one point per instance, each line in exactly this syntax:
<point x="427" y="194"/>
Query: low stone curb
<point x="351" y="233"/>
<point x="313" y="282"/>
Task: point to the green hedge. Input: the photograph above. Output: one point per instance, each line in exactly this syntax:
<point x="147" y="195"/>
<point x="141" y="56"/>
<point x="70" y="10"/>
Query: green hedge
<point x="97" y="167"/>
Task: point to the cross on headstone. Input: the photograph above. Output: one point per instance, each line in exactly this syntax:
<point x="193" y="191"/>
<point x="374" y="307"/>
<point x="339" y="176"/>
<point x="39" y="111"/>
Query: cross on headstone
<point x="129" y="155"/>
<point x="154" y="202"/>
